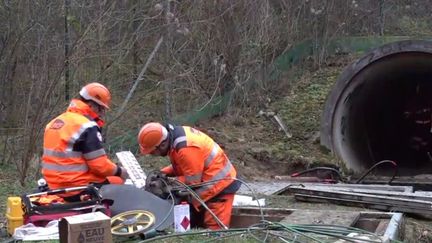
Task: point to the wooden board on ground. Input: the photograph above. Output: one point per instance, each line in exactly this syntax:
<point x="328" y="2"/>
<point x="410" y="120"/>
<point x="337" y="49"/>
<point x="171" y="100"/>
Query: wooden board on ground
<point x="341" y="186"/>
<point x="281" y="187"/>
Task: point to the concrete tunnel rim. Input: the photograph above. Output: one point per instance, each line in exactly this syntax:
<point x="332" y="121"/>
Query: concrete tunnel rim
<point x="345" y="80"/>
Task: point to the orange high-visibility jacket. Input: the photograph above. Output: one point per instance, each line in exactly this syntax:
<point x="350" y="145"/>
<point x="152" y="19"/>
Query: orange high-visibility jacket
<point x="196" y="158"/>
<point x="72" y="150"/>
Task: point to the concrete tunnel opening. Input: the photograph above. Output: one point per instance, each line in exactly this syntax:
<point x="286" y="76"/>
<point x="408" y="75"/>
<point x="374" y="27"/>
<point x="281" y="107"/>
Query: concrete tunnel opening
<point x="373" y="111"/>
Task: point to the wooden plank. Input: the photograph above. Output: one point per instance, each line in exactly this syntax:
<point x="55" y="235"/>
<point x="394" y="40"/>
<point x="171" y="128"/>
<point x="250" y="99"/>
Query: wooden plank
<point x="358" y="203"/>
<point x="373" y="187"/>
<point x="423" y="193"/>
<point x="407" y="195"/>
<point x="416" y="183"/>
<point x="285" y="189"/>
<point x="367" y="198"/>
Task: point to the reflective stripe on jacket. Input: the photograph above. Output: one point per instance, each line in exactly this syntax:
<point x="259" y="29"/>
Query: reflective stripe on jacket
<point x="195" y="159"/>
<point x="73" y="154"/>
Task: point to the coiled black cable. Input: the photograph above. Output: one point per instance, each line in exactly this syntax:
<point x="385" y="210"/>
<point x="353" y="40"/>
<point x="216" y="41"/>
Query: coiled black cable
<point x="375" y="165"/>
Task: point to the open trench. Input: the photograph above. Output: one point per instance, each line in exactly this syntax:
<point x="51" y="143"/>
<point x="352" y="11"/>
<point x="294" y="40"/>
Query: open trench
<point x="374" y="110"/>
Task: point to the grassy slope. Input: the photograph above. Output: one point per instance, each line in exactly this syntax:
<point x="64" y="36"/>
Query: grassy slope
<point x="256" y="143"/>
<point x="9" y="186"/>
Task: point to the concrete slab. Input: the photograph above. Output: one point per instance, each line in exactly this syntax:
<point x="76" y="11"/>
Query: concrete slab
<point x="345" y="218"/>
<point x="263" y="187"/>
<point x="389" y="225"/>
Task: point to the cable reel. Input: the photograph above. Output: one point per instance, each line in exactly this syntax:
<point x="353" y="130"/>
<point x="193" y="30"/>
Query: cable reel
<point x="133" y="222"/>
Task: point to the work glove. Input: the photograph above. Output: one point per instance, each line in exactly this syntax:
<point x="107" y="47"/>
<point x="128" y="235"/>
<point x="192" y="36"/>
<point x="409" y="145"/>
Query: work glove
<point x="156" y="183"/>
<point x="162" y="176"/>
<point x="124" y="174"/>
<point x="156" y="175"/>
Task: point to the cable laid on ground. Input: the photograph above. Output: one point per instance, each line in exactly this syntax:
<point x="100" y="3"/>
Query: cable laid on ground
<point x="319" y="168"/>
<point x="295" y="231"/>
<point x="242" y="181"/>
<point x="197" y="197"/>
<point x="192" y="233"/>
<point x="375" y="165"/>
<point x="358" y="180"/>
<point x="268" y="227"/>
<point x="190" y="189"/>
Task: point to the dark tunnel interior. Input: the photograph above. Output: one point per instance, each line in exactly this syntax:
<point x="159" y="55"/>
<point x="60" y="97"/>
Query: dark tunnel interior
<point x="387" y="114"/>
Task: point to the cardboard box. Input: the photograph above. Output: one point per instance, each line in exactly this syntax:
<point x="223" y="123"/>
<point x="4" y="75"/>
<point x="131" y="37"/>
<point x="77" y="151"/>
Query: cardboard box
<point x="83" y="228"/>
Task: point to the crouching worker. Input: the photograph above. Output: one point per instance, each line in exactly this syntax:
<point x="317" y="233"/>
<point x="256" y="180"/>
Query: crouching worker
<point x="72" y="149"/>
<point x="195" y="159"/>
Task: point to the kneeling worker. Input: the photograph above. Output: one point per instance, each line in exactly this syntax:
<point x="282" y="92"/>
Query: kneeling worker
<point x="195" y="159"/>
<point x="73" y="154"/>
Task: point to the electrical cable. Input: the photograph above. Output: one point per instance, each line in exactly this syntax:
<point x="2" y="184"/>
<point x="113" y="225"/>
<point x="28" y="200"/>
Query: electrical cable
<point x="154" y="231"/>
<point x="295" y="230"/>
<point x="213" y="181"/>
<point x="192" y="233"/>
<point x="197" y="197"/>
<point x="229" y="178"/>
<point x="375" y="165"/>
<point x="340" y="236"/>
<point x="338" y="231"/>
<point x="255" y="237"/>
<point x="261" y="211"/>
<point x="189" y="189"/>
<point x="358" y="180"/>
<point x="170" y="210"/>
<point x="335" y="231"/>
<point x="342" y="229"/>
<point x="319" y="168"/>
<point x="220" y="237"/>
<point x="240" y="180"/>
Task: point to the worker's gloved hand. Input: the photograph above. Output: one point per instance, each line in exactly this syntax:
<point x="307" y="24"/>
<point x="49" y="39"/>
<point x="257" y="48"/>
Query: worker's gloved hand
<point x="124" y="174"/>
<point x="162" y="176"/>
<point x="155" y="176"/>
<point x="156" y="183"/>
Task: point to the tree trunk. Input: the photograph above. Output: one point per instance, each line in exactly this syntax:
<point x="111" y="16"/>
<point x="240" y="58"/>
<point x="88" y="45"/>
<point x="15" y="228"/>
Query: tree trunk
<point x="66" y="49"/>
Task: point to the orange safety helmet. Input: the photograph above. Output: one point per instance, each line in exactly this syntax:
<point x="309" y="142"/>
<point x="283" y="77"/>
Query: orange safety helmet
<point x="150" y="136"/>
<point x="97" y="93"/>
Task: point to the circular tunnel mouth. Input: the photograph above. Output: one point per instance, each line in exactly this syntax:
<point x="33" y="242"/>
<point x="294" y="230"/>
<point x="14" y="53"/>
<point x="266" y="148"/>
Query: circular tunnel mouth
<point x="380" y="109"/>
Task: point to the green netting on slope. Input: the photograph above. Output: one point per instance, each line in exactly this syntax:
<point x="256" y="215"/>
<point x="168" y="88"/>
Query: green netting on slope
<point x="340" y="45"/>
<point x="125" y="142"/>
<point x="216" y="107"/>
<point x="282" y="64"/>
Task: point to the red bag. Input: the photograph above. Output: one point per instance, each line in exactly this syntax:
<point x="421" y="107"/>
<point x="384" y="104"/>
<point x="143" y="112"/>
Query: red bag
<point x="39" y="210"/>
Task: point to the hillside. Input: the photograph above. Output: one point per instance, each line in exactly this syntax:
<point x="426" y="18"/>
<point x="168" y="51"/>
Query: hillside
<point x="255" y="143"/>
<point x="254" y="140"/>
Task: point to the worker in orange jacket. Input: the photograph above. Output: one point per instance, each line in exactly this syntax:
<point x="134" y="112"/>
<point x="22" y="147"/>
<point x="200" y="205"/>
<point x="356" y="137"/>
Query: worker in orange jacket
<point x="73" y="154"/>
<point x="195" y="159"/>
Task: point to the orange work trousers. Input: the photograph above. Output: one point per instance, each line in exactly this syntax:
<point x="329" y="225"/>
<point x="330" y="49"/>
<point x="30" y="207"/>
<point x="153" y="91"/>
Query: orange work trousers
<point x="221" y="206"/>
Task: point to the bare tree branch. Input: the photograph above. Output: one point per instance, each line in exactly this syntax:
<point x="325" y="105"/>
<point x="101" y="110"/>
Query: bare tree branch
<point x="139" y="78"/>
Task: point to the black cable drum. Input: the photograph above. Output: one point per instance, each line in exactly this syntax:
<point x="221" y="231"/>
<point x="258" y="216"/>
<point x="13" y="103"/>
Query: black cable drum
<point x="380" y="109"/>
